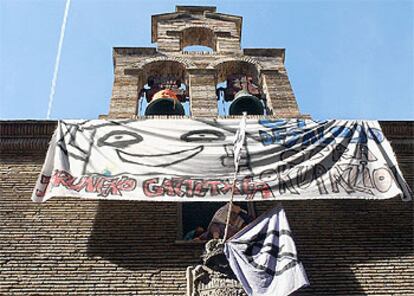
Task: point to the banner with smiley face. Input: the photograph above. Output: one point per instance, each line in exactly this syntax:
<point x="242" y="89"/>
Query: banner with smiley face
<point x="192" y="160"/>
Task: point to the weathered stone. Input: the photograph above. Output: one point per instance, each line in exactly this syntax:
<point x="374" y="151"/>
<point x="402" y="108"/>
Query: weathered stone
<point x="200" y="71"/>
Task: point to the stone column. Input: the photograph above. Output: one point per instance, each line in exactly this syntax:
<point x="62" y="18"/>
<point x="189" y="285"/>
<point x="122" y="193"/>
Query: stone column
<point x="125" y="94"/>
<point x="202" y="90"/>
<point x="279" y="93"/>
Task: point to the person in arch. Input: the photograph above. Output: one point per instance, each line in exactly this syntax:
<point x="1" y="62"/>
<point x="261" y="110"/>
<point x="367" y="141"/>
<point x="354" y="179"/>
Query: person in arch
<point x="238" y="219"/>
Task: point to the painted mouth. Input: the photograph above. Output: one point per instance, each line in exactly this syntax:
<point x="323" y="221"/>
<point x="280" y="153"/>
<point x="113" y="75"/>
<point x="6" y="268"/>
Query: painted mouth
<point x="159" y="160"/>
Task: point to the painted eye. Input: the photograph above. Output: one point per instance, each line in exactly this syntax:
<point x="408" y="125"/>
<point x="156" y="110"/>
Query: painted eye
<point x="203" y="136"/>
<point x="119" y="139"/>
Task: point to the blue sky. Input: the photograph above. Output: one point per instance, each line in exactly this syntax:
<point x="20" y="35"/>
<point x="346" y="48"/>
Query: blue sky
<point x="346" y="59"/>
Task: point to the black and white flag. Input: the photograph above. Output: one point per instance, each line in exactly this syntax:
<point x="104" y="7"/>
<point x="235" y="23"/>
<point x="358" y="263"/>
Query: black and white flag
<point x="263" y="257"/>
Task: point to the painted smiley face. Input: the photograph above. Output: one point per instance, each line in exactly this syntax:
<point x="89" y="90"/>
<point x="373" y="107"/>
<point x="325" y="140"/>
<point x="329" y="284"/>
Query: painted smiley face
<point x="168" y="150"/>
<point x="182" y="148"/>
<point x="122" y="139"/>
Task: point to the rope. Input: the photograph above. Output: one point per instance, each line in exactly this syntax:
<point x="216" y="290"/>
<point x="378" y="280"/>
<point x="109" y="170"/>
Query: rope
<point x="230" y="208"/>
<point x="239" y="139"/>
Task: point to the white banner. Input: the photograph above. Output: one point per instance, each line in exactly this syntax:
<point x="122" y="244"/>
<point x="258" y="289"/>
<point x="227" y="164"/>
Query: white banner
<point x="192" y="160"/>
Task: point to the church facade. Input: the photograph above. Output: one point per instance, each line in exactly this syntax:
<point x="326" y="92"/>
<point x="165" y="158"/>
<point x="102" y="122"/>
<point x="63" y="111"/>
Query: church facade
<point x="69" y="246"/>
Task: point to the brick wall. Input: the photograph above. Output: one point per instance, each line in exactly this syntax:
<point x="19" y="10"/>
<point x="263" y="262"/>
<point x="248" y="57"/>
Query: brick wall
<point x="79" y="247"/>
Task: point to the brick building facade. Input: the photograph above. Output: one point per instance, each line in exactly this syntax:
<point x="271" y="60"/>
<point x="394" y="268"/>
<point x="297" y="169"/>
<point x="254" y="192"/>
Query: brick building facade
<point x="85" y="247"/>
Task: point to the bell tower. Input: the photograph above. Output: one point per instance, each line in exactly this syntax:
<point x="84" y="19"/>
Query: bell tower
<point x="224" y="80"/>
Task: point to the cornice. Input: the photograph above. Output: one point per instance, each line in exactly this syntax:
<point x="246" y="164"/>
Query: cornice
<point x="33" y="136"/>
<point x="25" y="136"/>
<point x="398" y="129"/>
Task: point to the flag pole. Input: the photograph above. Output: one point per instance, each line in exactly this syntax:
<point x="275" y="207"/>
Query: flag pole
<point x="238" y="144"/>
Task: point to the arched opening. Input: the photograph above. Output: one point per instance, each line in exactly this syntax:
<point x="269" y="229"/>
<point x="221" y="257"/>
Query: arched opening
<point x="239" y="89"/>
<point x="164" y="90"/>
<point x="200" y="36"/>
<point x="197" y="48"/>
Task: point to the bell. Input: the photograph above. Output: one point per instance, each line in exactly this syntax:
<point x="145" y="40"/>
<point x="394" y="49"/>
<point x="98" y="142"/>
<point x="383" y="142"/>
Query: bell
<point x="245" y="102"/>
<point x="165" y="106"/>
<point x="165" y="102"/>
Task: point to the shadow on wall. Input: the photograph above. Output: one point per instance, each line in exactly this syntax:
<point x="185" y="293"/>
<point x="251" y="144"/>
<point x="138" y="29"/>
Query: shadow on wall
<point x="347" y="247"/>
<point x="356" y="247"/>
<point x="139" y="235"/>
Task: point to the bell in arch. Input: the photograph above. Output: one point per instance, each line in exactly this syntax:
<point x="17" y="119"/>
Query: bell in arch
<point x="165" y="102"/>
<point x="245" y="102"/>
